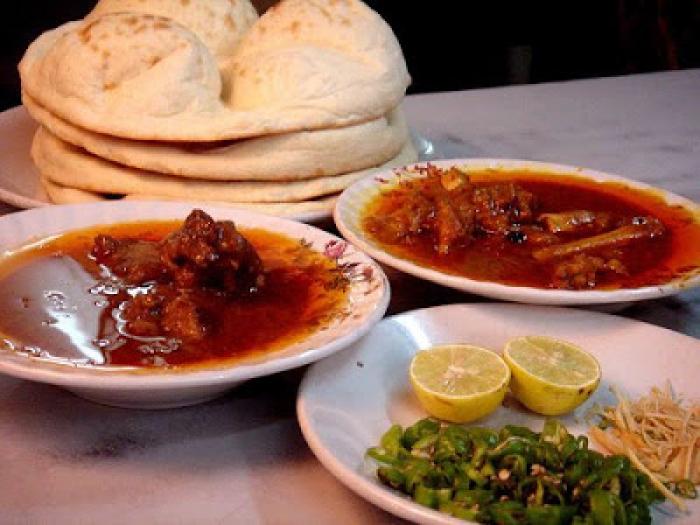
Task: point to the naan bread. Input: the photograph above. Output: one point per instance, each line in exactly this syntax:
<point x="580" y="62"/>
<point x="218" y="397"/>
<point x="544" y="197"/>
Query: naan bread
<point x="219" y="24"/>
<point x="64" y="195"/>
<point x="72" y="167"/>
<point x="331" y="53"/>
<point x="123" y="65"/>
<point x="299" y="210"/>
<point x="306" y="64"/>
<point x="289" y="156"/>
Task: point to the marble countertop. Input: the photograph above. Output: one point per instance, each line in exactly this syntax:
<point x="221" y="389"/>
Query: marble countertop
<point x="241" y="458"/>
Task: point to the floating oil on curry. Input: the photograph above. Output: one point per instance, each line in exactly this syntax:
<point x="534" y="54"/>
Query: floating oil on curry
<point x="156" y="294"/>
<point x="542" y="230"/>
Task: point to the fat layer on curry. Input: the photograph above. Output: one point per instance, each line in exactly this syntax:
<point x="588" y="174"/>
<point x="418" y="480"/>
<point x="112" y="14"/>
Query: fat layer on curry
<point x="160" y="294"/>
<point x="533" y="229"/>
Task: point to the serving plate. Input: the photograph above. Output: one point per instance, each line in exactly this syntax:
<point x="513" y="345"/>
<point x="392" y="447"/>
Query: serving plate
<point x="20" y="183"/>
<point x="348" y="218"/>
<point x="368" y="297"/>
<point x="346" y="402"/>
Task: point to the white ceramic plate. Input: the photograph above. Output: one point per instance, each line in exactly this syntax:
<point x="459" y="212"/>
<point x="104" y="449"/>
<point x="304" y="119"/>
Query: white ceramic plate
<point x="19" y="179"/>
<point x="346" y="402"/>
<point x="348" y="215"/>
<point x="368" y="298"/>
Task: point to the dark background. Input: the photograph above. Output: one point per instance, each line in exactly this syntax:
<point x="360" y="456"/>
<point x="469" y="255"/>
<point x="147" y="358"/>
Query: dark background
<point x="452" y="45"/>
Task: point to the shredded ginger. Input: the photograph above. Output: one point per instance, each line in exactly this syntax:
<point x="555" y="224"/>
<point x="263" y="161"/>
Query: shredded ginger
<point x="659" y="431"/>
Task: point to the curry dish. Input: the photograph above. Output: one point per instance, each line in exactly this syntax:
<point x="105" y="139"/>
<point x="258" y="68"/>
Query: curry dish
<point x="534" y="229"/>
<point x="165" y="293"/>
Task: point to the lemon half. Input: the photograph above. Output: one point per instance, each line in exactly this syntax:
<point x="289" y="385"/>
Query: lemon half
<point x="459" y="383"/>
<point x="549" y="376"/>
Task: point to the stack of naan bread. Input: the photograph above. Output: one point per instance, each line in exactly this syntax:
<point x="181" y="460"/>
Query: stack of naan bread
<point x="203" y="100"/>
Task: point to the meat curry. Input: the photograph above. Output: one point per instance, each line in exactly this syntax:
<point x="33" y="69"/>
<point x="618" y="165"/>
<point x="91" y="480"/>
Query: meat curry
<point x="533" y="229"/>
<point x="164" y="293"/>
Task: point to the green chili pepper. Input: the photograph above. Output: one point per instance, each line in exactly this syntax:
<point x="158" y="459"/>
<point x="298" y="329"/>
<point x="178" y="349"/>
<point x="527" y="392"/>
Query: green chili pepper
<point x="424" y="443"/>
<point x="418" y="430"/>
<point x="574" y="473"/>
<point x="466" y="514"/>
<point x="513" y="445"/>
<point x="515" y="464"/>
<point x="479" y="455"/>
<point x="515" y="476"/>
<point x="550" y="457"/>
<point x="550" y="514"/>
<point x="458" y="511"/>
<point x="553" y="432"/>
<point x="614" y="485"/>
<point x="475" y="475"/>
<point x="459" y="439"/>
<point x="582" y="442"/>
<point x="507" y="512"/>
<point x="523" y="432"/>
<point x="553" y="493"/>
<point x="606" y="508"/>
<point x="391" y="476"/>
<point x="484" y="435"/>
<point x="391" y="440"/>
<point x="488" y="470"/>
<point x="448" y="447"/>
<point x="431" y="497"/>
<point x="470" y="498"/>
<point x="415" y="471"/>
<point x="380" y="455"/>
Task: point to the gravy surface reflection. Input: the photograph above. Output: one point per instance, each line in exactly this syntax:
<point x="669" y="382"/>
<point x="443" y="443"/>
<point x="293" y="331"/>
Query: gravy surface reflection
<point x="58" y="302"/>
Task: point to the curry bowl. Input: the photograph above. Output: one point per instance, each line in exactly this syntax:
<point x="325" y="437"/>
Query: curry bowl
<point x="158" y="380"/>
<point x="526" y="231"/>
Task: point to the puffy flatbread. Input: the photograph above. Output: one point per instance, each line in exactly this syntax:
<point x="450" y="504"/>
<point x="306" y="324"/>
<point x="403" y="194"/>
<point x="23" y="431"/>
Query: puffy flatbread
<point x="219" y="24"/>
<point x="73" y="167"/>
<point x="317" y="207"/>
<point x="289" y="156"/>
<point x="305" y="64"/>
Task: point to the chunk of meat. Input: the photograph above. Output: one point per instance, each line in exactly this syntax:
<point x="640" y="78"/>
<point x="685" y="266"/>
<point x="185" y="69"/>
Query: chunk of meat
<point x="409" y="217"/>
<point x="165" y="311"/>
<point x="184" y="319"/>
<point x="582" y="271"/>
<point x="576" y="221"/>
<point x="205" y="253"/>
<point x="202" y="257"/>
<point x="448" y="207"/>
<point x="141" y="315"/>
<point x="133" y="260"/>
<point x="449" y="226"/>
<point x="438" y="205"/>
<point x="498" y="206"/>
<point x="641" y="228"/>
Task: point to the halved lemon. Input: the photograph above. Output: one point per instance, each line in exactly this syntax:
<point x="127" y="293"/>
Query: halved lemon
<point x="459" y="383"/>
<point x="550" y="376"/>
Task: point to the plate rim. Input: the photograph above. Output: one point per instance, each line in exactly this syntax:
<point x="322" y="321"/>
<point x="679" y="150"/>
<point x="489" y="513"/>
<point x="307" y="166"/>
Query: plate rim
<point x="393" y="501"/>
<point x="99" y="378"/>
<point x="343" y="212"/>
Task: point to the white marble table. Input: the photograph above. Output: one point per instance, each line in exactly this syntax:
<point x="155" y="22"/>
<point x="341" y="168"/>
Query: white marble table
<point x="242" y="459"/>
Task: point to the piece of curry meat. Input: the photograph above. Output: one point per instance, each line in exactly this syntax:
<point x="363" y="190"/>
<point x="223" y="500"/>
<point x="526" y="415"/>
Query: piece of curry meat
<point x="578" y="246"/>
<point x="169" y="283"/>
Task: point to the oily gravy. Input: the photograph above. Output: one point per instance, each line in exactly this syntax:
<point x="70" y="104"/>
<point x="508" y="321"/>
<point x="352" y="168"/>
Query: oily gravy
<point x="524" y="228"/>
<point x="56" y="301"/>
